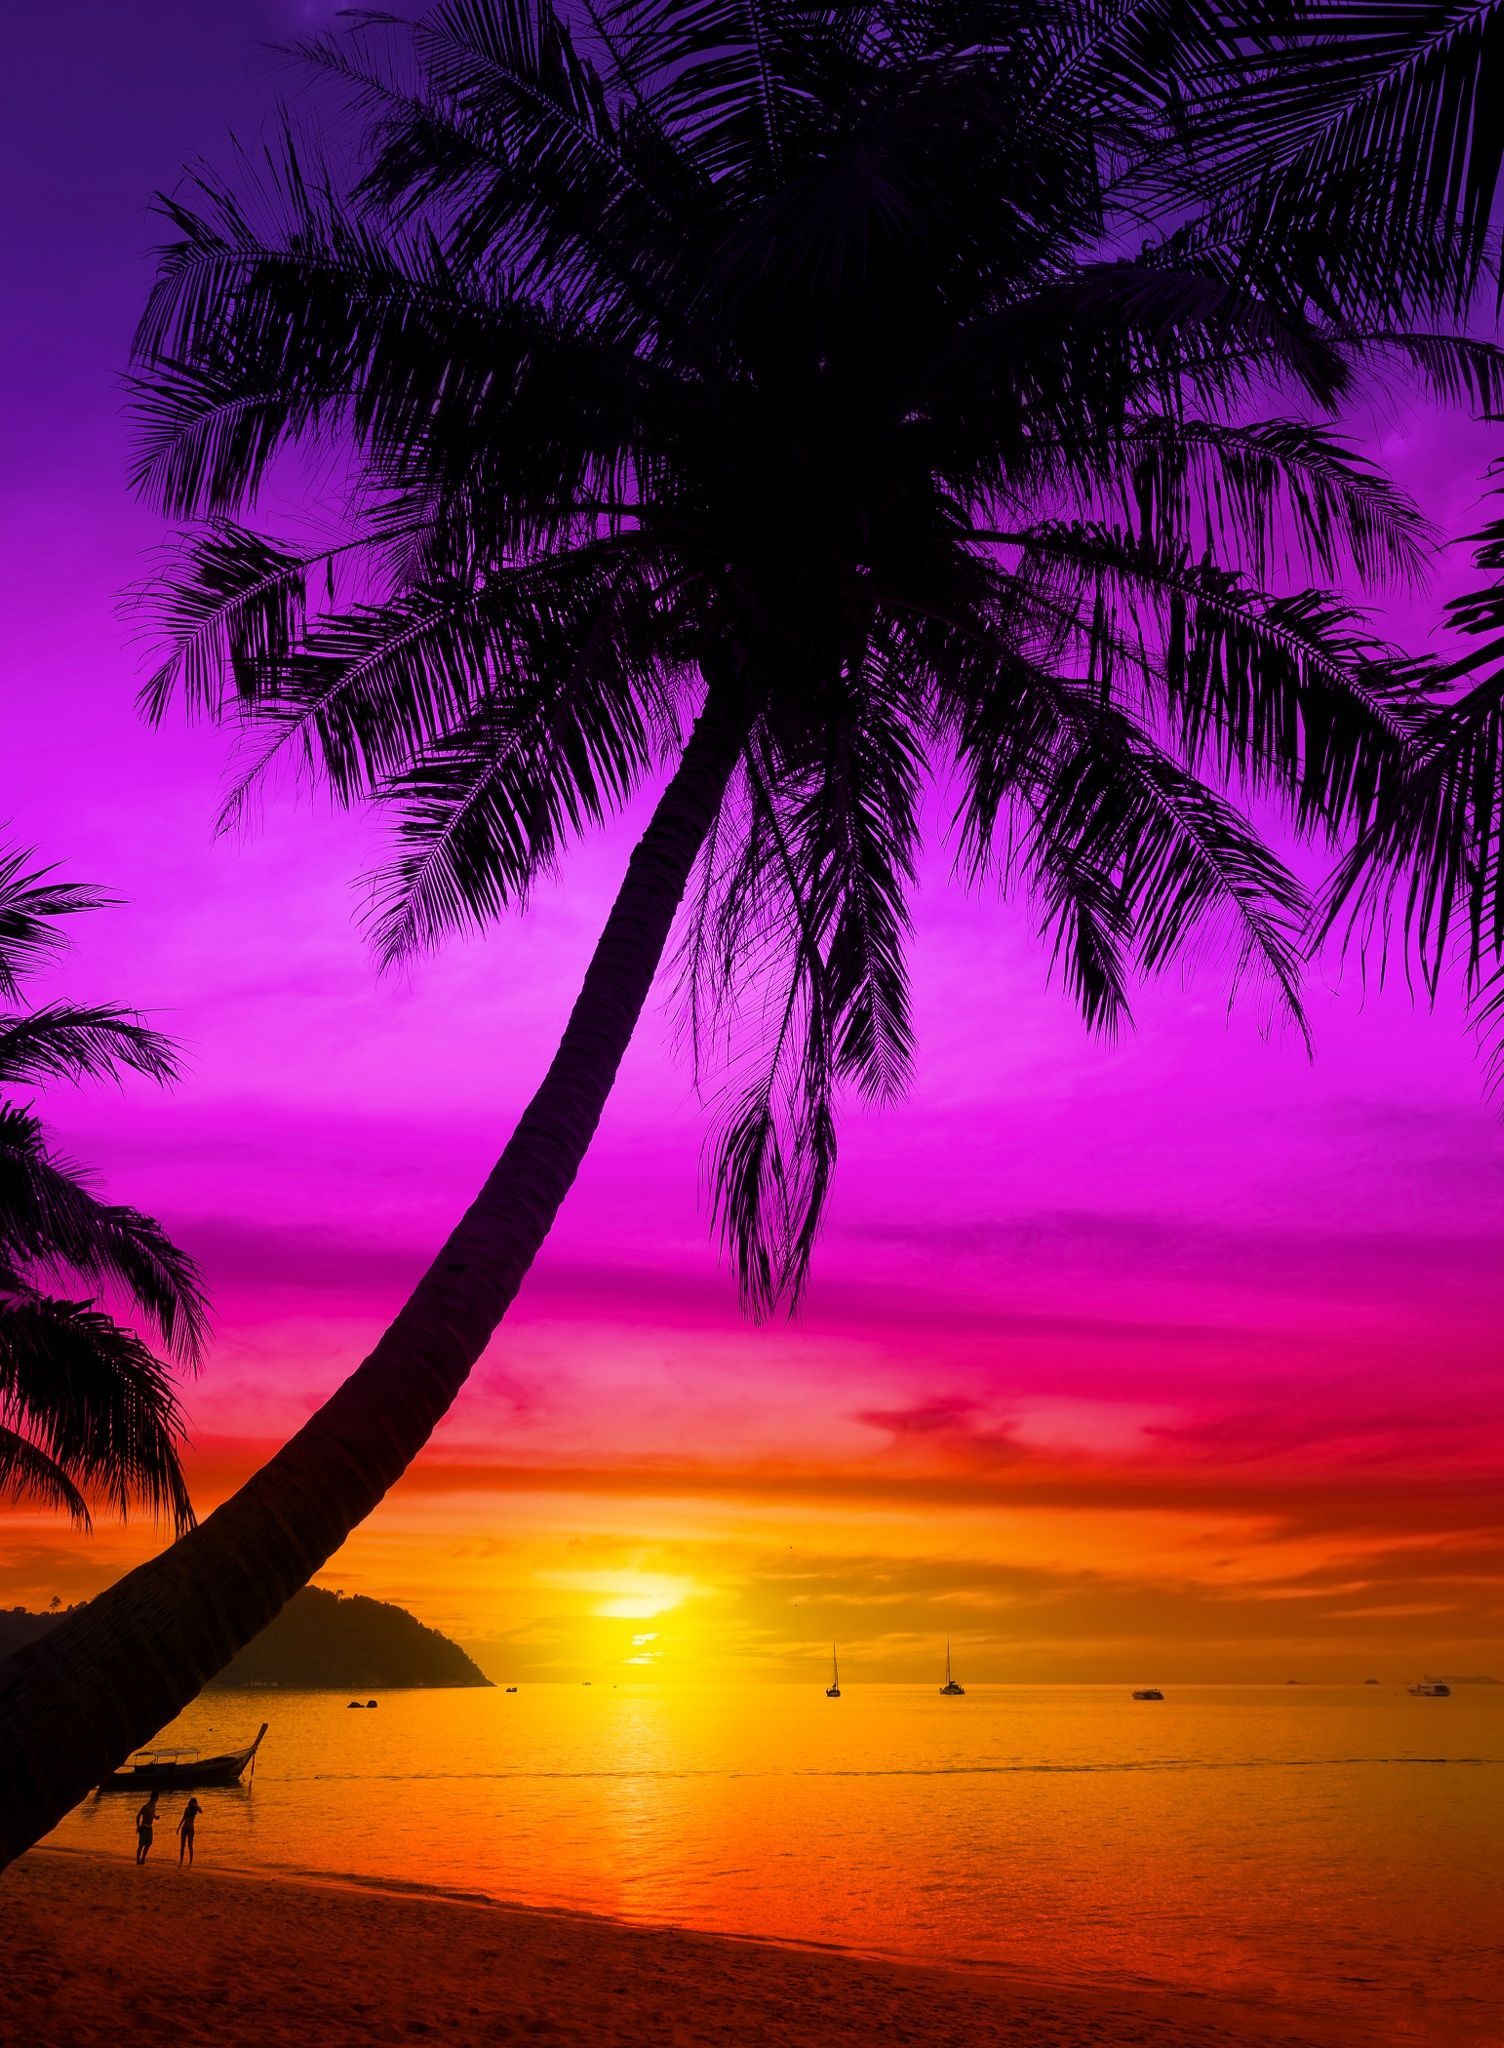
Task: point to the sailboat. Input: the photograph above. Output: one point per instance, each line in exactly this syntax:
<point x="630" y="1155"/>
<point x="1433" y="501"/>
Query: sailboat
<point x="833" y="1690"/>
<point x="950" y="1689"/>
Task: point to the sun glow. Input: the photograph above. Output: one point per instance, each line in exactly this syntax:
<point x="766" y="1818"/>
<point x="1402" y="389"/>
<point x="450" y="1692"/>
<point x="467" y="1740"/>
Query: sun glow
<point x="624" y="1595"/>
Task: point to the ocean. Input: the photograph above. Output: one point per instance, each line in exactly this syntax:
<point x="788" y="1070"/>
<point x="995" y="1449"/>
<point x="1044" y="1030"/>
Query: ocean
<point x="1336" y="1849"/>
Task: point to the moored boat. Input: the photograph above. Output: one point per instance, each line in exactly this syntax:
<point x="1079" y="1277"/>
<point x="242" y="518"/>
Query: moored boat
<point x="1149" y="1692"/>
<point x="167" y="1770"/>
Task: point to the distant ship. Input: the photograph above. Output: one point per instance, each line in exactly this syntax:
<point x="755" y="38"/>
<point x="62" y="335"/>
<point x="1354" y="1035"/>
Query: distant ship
<point x="1431" y="1689"/>
<point x="833" y="1690"/>
<point x="950" y="1689"/>
<point x="1149" y="1692"/>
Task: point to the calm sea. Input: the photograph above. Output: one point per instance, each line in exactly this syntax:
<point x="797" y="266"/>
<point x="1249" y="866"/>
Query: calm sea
<point x="1335" y="1848"/>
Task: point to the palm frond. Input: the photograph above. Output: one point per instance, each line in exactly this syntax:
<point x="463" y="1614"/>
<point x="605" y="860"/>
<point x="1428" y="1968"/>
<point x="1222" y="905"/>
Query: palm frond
<point x="795" y="960"/>
<point x="94" y="1401"/>
<point x="558" y="745"/>
<point x="771" y="1155"/>
<point x="1430" y="867"/>
<point x="1463" y="370"/>
<point x="231" y="602"/>
<point x="28" y="1476"/>
<point x="281" y="316"/>
<point x="362" y="691"/>
<point x="720" y="75"/>
<point x="1134" y="862"/>
<point x="1273" y="496"/>
<point x="77" y="1041"/>
<point x="1370" y="141"/>
<point x="1291" y="694"/>
<point x="32" y="899"/>
<point x="51" y="1221"/>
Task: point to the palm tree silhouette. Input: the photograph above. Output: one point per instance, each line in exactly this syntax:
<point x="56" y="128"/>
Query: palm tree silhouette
<point x="821" y="401"/>
<point x="85" y="1404"/>
<point x="1428" y="869"/>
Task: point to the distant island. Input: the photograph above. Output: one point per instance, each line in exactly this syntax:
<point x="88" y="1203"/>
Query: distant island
<point x="320" y="1642"/>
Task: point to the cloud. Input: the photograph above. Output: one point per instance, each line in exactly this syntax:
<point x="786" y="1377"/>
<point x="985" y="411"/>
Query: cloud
<point x="1325" y="1260"/>
<point x="941" y="1415"/>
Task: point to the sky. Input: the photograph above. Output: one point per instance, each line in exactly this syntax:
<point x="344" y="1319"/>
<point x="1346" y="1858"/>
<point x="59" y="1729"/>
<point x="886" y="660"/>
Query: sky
<point x="1175" y="1357"/>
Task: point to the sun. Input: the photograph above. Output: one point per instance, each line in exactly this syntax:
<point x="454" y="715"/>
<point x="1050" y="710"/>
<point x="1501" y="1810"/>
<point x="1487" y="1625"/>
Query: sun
<point x="627" y="1595"/>
<point x="642" y="1595"/>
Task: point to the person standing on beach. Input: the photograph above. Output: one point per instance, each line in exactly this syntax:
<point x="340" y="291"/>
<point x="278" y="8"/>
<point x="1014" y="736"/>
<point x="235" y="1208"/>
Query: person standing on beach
<point x="191" y="1813"/>
<point x="146" y="1820"/>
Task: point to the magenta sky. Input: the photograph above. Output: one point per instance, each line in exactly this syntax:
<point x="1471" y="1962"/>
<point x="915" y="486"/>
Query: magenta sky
<point x="1182" y="1351"/>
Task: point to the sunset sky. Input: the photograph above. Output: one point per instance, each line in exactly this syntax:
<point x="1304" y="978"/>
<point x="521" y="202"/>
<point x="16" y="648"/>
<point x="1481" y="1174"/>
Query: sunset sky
<point x="1177" y="1357"/>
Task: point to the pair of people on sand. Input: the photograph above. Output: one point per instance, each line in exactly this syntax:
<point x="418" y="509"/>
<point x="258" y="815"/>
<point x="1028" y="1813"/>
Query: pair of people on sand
<point x="146" y="1821"/>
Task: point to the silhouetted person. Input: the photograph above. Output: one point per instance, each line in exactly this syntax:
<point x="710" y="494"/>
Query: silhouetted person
<point x="191" y="1813"/>
<point x="146" y="1820"/>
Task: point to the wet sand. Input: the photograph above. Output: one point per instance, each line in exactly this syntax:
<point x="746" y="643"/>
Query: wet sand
<point x="97" y="1954"/>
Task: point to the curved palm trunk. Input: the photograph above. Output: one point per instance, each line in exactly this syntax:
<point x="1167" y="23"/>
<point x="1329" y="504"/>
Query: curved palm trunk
<point x="74" y="1704"/>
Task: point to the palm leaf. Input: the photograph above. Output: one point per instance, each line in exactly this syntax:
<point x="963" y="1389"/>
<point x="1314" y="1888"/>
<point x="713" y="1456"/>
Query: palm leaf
<point x="51" y="1221"/>
<point x="28" y="1475"/>
<point x="1375" y="149"/>
<point x="76" y="1041"/>
<point x="94" y="1401"/>
<point x="32" y="899"/>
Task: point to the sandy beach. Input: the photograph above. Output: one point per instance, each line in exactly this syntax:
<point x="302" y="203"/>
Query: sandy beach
<point x="98" y="1954"/>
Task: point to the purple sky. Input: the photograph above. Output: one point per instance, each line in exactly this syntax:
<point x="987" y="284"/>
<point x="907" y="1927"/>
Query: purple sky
<point x="1183" y="1340"/>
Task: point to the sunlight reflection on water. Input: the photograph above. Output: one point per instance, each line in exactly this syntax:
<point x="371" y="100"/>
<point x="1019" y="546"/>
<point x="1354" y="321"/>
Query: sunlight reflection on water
<point x="1329" y="1846"/>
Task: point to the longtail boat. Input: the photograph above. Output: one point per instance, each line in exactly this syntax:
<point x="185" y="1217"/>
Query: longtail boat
<point x="170" y="1770"/>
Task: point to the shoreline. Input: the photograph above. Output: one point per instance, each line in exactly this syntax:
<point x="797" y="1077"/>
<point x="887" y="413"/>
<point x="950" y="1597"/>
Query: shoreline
<point x="101" y="1955"/>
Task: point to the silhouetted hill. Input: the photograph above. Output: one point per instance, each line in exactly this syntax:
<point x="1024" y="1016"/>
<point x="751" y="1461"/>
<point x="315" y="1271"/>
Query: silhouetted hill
<point x="18" y="1627"/>
<point x="319" y="1642"/>
<point x="324" y="1640"/>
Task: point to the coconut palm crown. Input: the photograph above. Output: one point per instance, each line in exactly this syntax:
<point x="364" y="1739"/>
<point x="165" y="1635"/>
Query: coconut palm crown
<point x="86" y="1405"/>
<point x="832" y="416"/>
<point x="949" y="380"/>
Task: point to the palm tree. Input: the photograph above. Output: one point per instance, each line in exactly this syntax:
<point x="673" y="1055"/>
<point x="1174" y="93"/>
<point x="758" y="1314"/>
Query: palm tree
<point x="85" y="1404"/>
<point x="823" y="403"/>
<point x="1427" y="873"/>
